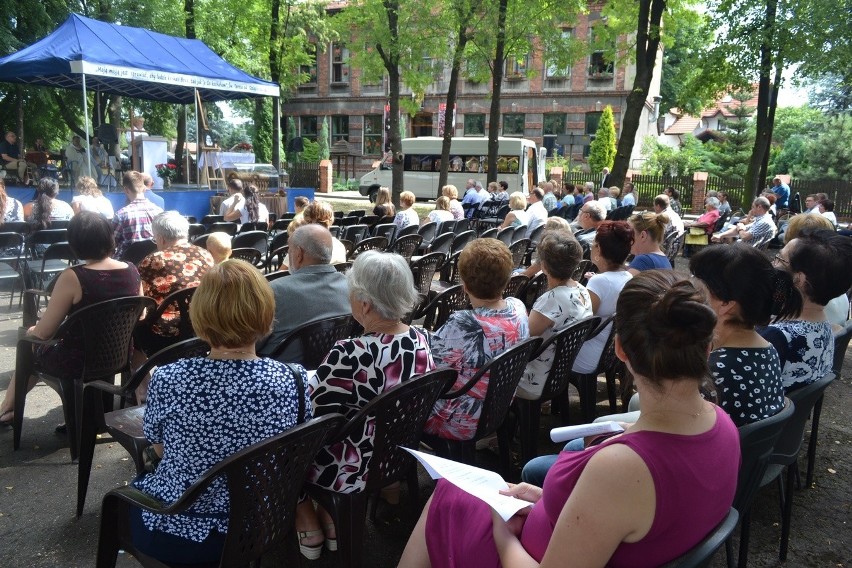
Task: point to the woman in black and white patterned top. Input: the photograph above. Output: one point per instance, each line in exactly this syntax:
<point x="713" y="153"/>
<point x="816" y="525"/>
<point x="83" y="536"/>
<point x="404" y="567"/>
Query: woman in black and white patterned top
<point x="745" y="290"/>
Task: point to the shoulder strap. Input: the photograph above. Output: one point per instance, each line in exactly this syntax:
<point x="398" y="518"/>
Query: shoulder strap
<point x="300" y="387"/>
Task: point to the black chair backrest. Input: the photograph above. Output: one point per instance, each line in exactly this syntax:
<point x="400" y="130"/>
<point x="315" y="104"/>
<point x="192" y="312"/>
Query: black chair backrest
<point x="282" y="223"/>
<point x="674" y="247"/>
<point x="254" y="226"/>
<point x="757" y="440"/>
<point x="196" y="230"/>
<point x="720" y="222"/>
<point x="369" y="220"/>
<point x="201" y="240"/>
<point x="519" y="233"/>
<point x="490" y="233"/>
<point x="342" y="266"/>
<point x="9" y="241"/>
<point x="372" y="243"/>
<point x="224" y="227"/>
<point x="355" y="233"/>
<point x="59" y="224"/>
<point x="137" y="250"/>
<point x="424" y="269"/>
<point x="250" y="255"/>
<point x="406" y="246"/>
<point x="386" y="230"/>
<point x="462" y="226"/>
<point x="346" y="221"/>
<point x="535" y="288"/>
<point x="316" y="338"/>
<point x="566" y="344"/>
<point x="334" y="230"/>
<point x="447" y="227"/>
<point x="184" y="349"/>
<point x="428" y="232"/>
<point x="536" y="234"/>
<point x="398" y="415"/>
<point x="703" y="552"/>
<point x="21" y="227"/>
<point x="47" y="237"/>
<point x="516" y="284"/>
<point x="210" y="219"/>
<point x="409" y="230"/>
<point x="519" y="251"/>
<point x="106" y="328"/>
<point x="58" y="251"/>
<point x="442" y="243"/>
<point x="841" y="342"/>
<point x="357" y="213"/>
<point x="505" y="235"/>
<point x="450" y="269"/>
<point x="442" y="306"/>
<point x="462" y="240"/>
<point x="251" y="239"/>
<point x="790" y="442"/>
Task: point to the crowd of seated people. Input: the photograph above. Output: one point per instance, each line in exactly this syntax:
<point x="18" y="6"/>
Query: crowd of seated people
<point x="665" y="326"/>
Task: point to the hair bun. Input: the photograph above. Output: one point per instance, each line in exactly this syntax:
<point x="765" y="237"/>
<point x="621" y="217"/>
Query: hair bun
<point x="681" y="316"/>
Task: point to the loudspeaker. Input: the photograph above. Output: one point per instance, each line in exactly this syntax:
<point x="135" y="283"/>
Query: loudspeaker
<point x="106" y="133"/>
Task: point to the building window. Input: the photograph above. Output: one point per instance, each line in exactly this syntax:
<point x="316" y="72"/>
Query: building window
<point x="308" y="127"/>
<point x="310" y="70"/>
<point x="339" y="64"/>
<point x="600" y="67"/>
<point x="554" y="71"/>
<point x="474" y="125"/>
<point x="553" y="124"/>
<point x="339" y="129"/>
<point x="592" y="121"/>
<point x="516" y="67"/>
<point x="373" y="135"/>
<point x="513" y="124"/>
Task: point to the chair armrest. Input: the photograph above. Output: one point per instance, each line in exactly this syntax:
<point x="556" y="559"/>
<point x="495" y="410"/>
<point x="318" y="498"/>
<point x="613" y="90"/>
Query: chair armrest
<point x="447" y="395"/>
<point x="116" y="390"/>
<point x="33" y="341"/>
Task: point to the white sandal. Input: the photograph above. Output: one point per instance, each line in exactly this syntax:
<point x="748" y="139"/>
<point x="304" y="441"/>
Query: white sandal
<point x="330" y="543"/>
<point x="312" y="551"/>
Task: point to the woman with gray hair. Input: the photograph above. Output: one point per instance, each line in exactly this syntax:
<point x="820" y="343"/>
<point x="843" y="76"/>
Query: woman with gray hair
<point x="175" y="265"/>
<point x="381" y="292"/>
<point x="709" y="218"/>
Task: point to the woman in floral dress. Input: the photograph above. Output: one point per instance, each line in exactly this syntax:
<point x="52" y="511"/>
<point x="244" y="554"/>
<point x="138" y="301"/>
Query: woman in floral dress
<point x="471" y="338"/>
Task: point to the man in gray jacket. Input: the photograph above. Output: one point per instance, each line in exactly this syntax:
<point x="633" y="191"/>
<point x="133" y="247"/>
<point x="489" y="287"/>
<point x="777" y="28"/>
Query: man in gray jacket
<point x="314" y="290"/>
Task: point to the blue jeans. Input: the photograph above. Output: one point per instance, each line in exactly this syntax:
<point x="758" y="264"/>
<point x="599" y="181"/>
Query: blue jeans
<point x="536" y="469"/>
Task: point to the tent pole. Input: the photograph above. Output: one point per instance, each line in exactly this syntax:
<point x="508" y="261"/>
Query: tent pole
<point x="86" y="125"/>
<point x="197" y="141"/>
<point x="185" y="150"/>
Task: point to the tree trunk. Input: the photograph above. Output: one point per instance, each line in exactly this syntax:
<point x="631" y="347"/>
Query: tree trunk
<point x="20" y="120"/>
<point x="496" y="90"/>
<point x="68" y="116"/>
<point x="275" y="75"/>
<point x="391" y="63"/>
<point x="647" y="43"/>
<point x="452" y="92"/>
<point x="762" y="116"/>
<point x="773" y="105"/>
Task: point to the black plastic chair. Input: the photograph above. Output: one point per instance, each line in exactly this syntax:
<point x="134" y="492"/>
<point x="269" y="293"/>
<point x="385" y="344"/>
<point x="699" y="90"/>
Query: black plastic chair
<point x="442" y="243"/>
<point x="55" y="259"/>
<point x="519" y="233"/>
<point x="449" y="273"/>
<point x="447" y="227"/>
<point x="461" y="240"/>
<point x="519" y="251"/>
<point x="355" y="233"/>
<point x="12" y="263"/>
<point x="428" y="232"/>
<point x="386" y="230"/>
<point x="409" y="230"/>
<point x="210" y="219"/>
<point x="224" y="227"/>
<point x="344" y="222"/>
<point x="424" y="269"/>
<point x="757" y="441"/>
<point x="566" y="344"/>
<point x="106" y="330"/>
<point x="316" y="339"/>
<point x="138" y="250"/>
<point x="517" y="282"/>
<point x="490" y="233"/>
<point x="250" y="255"/>
<point x="178" y="301"/>
<point x="587" y="383"/>
<point x="258" y="240"/>
<point x="406" y="246"/>
<point x="254" y="226"/>
<point x="534" y="288"/>
<point x="196" y="230"/>
<point x="371" y="243"/>
<point x="38" y="241"/>
<point x="398" y="416"/>
<point x="702" y="553"/>
<point x="125" y="424"/>
<point x="496" y="219"/>
<point x="441" y="307"/>
<point x="785" y="454"/>
<point x="504" y="373"/>
<point x="369" y="220"/>
<point x="505" y="235"/>
<point x="279" y="240"/>
<point x="264" y="482"/>
<point x="357" y="213"/>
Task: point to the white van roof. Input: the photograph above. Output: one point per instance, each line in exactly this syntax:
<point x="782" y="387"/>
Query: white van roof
<point x="462" y="145"/>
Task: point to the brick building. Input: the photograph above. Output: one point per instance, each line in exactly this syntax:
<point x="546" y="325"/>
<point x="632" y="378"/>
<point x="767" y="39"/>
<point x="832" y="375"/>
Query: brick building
<point x="538" y="101"/>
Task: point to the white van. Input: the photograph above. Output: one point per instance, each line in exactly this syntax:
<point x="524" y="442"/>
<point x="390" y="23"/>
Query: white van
<point x="519" y="163"/>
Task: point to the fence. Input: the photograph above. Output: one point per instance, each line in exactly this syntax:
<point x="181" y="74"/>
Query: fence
<point x="838" y="191"/>
<point x="304" y="174"/>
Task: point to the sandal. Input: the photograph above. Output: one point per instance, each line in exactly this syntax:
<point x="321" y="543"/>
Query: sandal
<point x="330" y="542"/>
<point x="311" y="551"/>
<point x="7" y="421"/>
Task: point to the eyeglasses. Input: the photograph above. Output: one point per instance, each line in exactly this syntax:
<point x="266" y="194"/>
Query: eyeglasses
<point x="781" y="260"/>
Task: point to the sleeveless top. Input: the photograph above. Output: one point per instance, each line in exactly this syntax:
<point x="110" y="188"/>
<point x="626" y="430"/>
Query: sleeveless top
<point x="100" y="285"/>
<point x="699" y="470"/>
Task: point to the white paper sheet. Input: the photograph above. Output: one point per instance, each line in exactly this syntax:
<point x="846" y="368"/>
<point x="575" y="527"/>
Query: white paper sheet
<point x="481" y="483"/>
<point x="568" y="433"/>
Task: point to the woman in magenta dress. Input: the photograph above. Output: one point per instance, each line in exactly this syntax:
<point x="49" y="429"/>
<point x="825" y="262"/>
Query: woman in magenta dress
<point x="680" y="461"/>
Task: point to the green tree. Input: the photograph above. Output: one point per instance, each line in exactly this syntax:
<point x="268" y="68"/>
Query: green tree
<point x="602" y="148"/>
<point x="829" y="155"/>
<point x="661" y="159"/>
<point x="324" y="151"/>
<point x="730" y="156"/>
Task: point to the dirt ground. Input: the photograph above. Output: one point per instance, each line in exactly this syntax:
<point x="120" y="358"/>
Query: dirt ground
<point x="38" y="490"/>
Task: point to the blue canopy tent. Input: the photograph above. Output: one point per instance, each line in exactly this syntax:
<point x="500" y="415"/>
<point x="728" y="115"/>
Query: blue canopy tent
<point x="84" y="54"/>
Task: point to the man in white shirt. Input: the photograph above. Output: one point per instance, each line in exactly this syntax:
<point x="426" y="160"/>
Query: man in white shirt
<point x="536" y="211"/>
<point x="483" y="193"/>
<point x="661" y="205"/>
<point x="235" y="192"/>
<point x="603" y="198"/>
<point x="628" y="197"/>
<point x="549" y="201"/>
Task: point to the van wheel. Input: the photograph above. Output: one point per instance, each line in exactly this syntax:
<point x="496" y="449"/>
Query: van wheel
<point x="374" y="192"/>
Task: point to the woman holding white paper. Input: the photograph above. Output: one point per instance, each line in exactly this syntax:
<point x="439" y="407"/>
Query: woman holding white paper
<point x="681" y="443"/>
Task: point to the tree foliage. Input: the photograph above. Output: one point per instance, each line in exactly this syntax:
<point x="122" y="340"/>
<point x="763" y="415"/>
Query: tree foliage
<point x="662" y="160"/>
<point x="602" y="148"/>
<point x="730" y="156"/>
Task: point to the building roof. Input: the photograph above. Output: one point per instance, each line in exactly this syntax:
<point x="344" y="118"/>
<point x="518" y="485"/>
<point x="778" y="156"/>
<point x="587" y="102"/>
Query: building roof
<point x="684" y="125"/>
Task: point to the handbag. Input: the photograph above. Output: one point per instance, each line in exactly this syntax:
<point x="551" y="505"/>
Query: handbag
<point x="696" y="236"/>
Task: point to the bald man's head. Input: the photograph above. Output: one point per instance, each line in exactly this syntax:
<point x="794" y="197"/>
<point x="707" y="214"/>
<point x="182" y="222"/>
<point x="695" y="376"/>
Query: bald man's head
<point x="314" y="241"/>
